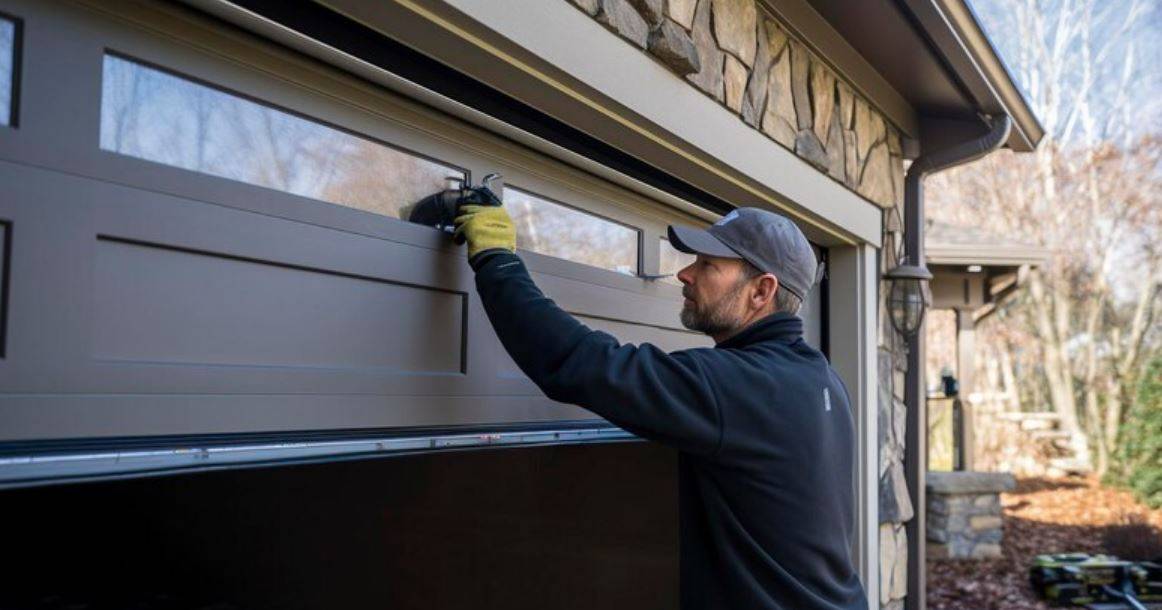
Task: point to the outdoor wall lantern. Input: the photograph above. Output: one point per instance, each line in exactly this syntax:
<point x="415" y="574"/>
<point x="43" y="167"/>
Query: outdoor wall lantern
<point x="907" y="296"/>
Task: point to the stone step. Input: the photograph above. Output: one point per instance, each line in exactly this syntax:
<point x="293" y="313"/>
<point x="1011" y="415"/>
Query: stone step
<point x="1023" y="415"/>
<point x="1042" y="435"/>
<point x="1070" y="465"/>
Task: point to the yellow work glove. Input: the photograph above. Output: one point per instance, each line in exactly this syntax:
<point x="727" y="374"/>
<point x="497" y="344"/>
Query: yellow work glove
<point x="485" y="227"/>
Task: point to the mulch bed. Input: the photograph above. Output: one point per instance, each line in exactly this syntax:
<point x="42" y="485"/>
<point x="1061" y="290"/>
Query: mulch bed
<point x="1042" y="516"/>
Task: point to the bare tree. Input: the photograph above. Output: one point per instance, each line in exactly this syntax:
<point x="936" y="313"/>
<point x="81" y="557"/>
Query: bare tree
<point x="1090" y="193"/>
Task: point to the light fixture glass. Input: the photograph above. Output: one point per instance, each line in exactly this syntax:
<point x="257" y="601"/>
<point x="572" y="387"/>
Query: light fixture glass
<point x="907" y="296"/>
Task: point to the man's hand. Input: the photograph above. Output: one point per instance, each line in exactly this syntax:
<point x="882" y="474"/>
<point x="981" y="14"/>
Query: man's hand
<point x="485" y="228"/>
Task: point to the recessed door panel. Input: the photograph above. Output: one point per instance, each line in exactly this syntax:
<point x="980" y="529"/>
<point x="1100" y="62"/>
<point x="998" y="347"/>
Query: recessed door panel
<point x="159" y="304"/>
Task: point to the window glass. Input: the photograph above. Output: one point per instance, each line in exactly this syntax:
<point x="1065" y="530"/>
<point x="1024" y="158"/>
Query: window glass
<point x="547" y="227"/>
<point x="7" y="63"/>
<point x="154" y="115"/>
<point x="672" y="261"/>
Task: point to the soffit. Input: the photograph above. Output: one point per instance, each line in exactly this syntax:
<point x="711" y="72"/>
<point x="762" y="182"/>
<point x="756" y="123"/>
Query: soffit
<point x="934" y="54"/>
<point x="883" y="35"/>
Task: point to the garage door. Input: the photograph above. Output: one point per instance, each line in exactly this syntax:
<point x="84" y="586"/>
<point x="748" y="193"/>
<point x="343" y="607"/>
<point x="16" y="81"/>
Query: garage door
<point x="203" y="237"/>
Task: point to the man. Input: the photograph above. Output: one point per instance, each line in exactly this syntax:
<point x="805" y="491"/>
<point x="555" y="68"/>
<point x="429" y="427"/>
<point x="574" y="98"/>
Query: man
<point x="762" y="423"/>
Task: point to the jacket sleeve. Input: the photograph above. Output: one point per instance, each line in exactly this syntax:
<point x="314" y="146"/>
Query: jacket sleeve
<point x="655" y="395"/>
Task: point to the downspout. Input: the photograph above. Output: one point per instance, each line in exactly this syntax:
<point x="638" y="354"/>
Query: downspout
<point x="916" y="442"/>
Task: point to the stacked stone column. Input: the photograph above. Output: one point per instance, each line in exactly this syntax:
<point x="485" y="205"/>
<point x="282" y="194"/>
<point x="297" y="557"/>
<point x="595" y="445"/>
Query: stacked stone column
<point x="964" y="514"/>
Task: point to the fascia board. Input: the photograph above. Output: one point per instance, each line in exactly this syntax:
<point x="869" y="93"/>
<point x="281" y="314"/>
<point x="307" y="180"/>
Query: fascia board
<point x="555" y="58"/>
<point x="958" y="37"/>
<point x="993" y="69"/>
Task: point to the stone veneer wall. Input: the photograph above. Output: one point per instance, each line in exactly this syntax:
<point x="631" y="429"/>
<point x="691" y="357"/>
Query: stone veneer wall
<point x="740" y="56"/>
<point x="736" y="53"/>
<point x="895" y="503"/>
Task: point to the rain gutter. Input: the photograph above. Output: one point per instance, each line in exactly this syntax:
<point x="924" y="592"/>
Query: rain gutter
<point x="915" y="443"/>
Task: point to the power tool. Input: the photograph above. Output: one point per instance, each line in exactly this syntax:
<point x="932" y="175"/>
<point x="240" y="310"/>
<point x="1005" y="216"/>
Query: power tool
<point x="440" y="209"/>
<point x="1097" y="581"/>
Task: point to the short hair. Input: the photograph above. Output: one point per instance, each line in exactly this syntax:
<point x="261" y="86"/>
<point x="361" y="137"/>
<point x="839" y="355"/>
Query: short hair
<point x="785" y="300"/>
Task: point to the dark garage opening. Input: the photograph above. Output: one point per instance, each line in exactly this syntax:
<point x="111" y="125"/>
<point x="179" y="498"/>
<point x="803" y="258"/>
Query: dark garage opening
<point x="580" y="526"/>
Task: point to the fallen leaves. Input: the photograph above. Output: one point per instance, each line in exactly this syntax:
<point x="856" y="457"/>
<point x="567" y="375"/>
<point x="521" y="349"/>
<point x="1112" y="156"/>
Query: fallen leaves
<point x="1041" y="515"/>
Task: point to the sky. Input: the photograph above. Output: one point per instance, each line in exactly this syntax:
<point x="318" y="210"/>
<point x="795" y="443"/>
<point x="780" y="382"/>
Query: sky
<point x="1143" y="110"/>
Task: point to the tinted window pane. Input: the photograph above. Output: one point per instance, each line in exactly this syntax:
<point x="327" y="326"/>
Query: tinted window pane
<point x="550" y="228"/>
<point x="160" y="117"/>
<point x="7" y="59"/>
<point x="672" y="261"/>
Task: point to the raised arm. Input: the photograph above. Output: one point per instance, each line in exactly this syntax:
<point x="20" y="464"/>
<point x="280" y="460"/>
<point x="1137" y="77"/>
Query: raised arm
<point x="659" y="396"/>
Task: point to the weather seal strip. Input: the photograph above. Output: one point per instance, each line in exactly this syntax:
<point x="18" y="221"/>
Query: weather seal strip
<point x="38" y="470"/>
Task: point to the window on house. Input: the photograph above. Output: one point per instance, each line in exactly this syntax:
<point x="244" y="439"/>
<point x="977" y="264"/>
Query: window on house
<point x="672" y="261"/>
<point x="154" y="115"/>
<point x="7" y="69"/>
<point x="548" y="227"/>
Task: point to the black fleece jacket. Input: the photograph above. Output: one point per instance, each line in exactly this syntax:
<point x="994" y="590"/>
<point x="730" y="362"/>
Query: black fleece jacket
<point x="763" y="427"/>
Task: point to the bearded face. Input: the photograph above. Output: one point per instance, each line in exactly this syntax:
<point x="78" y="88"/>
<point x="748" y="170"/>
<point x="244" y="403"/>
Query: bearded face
<point x="714" y="315"/>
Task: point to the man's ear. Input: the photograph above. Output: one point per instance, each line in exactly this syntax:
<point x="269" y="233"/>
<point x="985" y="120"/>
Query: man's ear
<point x="765" y="290"/>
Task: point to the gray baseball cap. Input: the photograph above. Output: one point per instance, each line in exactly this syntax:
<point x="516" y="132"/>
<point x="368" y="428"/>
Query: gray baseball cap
<point x="767" y="240"/>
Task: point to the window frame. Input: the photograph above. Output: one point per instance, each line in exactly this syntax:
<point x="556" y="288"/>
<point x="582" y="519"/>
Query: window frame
<point x="662" y="242"/>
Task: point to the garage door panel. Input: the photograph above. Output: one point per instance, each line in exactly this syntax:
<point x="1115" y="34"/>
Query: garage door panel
<point x="604" y="301"/>
<point x="5" y="274"/>
<point x="631" y="317"/>
<point x="48" y="238"/>
<point x="667" y="339"/>
<point x="160" y="304"/>
<point x="52" y="417"/>
<point x="625" y="332"/>
<point x="95" y="270"/>
<point x="172" y="316"/>
<point x="406" y="255"/>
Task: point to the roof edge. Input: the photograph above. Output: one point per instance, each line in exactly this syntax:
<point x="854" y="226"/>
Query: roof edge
<point x="1013" y="255"/>
<point x="975" y="44"/>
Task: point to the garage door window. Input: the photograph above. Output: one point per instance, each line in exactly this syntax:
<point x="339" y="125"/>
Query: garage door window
<point x="548" y="227"/>
<point x="672" y="261"/>
<point x="7" y="68"/>
<point x="154" y="115"/>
